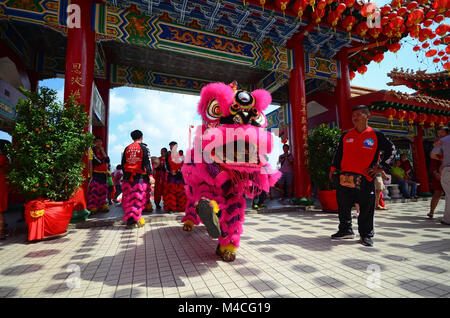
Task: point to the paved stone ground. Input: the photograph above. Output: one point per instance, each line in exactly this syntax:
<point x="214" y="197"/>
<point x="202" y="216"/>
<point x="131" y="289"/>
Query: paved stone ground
<point x="284" y="254"/>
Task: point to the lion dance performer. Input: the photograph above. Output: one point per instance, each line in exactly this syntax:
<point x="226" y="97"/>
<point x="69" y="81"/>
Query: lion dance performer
<point x="227" y="162"/>
<point x="148" y="203"/>
<point x="136" y="168"/>
<point x="174" y="194"/>
<point x="98" y="187"/>
<point x="160" y="177"/>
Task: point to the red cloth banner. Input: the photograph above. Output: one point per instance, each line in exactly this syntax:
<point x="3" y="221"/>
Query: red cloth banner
<point x="45" y="218"/>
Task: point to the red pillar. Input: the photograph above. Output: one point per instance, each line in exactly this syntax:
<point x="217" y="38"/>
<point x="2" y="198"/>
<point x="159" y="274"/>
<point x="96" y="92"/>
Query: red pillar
<point x="297" y="100"/>
<point x="79" y="73"/>
<point x="342" y="92"/>
<point x="103" y="87"/>
<point x="420" y="166"/>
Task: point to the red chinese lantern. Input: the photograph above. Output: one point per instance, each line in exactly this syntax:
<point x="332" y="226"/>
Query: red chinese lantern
<point x="416" y="16"/>
<point x="349" y="22"/>
<point x="362" y="28"/>
<point x="362" y="69"/>
<point x="437" y="42"/>
<point x="397" y="22"/>
<point x="431" y="14"/>
<point x="414" y="31"/>
<point x="432" y="119"/>
<point x="397" y="3"/>
<point x="352" y="75"/>
<point x="284" y="141"/>
<point x="444" y="58"/>
<point x="317" y="16"/>
<point x="447" y="66"/>
<point x="299" y="7"/>
<point x="390" y="113"/>
<point x="416" y="48"/>
<point x="375" y="32"/>
<point x="425" y="45"/>
<point x="443" y="120"/>
<point x="388" y="31"/>
<point x="441" y="53"/>
<point x="321" y="5"/>
<point x="402" y="11"/>
<point x="436" y="60"/>
<point x="411" y="117"/>
<point x="401" y="115"/>
<point x="392" y="15"/>
<point x="438" y="18"/>
<point x="431" y="53"/>
<point x="422" y="119"/>
<point x="333" y="18"/>
<point x="394" y="47"/>
<point x="412" y="5"/>
<point x="427" y="23"/>
<point x="384" y="20"/>
<point x="442" y="29"/>
<point x="385" y="10"/>
<point x="447" y="49"/>
<point x="341" y="8"/>
<point x="378" y="58"/>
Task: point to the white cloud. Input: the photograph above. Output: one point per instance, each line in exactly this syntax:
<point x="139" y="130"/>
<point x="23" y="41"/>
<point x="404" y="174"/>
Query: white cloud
<point x="117" y="104"/>
<point x="162" y="117"/>
<point x="112" y="138"/>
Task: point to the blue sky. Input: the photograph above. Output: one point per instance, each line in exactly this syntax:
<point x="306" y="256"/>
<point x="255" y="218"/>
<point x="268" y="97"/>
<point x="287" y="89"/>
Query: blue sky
<point x="164" y="117"/>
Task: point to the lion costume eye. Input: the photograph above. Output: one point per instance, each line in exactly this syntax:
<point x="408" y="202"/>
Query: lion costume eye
<point x="213" y="111"/>
<point x="261" y="120"/>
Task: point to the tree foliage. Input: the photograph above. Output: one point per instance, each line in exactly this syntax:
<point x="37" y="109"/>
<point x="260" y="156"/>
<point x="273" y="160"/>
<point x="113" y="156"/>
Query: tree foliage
<point x="322" y="143"/>
<point x="50" y="140"/>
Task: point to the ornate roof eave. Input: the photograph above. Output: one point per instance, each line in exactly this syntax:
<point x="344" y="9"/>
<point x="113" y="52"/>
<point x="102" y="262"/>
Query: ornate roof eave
<point x="417" y="100"/>
<point x="410" y="75"/>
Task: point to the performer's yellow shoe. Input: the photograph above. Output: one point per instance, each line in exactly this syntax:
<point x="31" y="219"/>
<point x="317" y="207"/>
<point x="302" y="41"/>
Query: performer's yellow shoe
<point x="227" y="252"/>
<point x="141" y="222"/>
<point x="188" y="226"/>
<point x="93" y="211"/>
<point x="105" y="208"/>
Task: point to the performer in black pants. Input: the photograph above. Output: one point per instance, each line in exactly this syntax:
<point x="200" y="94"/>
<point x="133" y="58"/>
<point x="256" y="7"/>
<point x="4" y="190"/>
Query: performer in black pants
<point x="362" y="153"/>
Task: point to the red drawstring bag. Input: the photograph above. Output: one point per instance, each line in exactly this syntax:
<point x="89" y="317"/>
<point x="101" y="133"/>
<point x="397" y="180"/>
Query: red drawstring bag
<point x="45" y="218"/>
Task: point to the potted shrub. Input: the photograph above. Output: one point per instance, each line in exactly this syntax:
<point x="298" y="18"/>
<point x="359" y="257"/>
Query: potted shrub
<point x="322" y="143"/>
<point x="47" y="159"/>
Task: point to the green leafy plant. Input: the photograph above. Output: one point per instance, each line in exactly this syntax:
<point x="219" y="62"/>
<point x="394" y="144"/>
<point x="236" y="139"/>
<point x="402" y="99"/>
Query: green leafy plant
<point x="50" y="140"/>
<point x="322" y="143"/>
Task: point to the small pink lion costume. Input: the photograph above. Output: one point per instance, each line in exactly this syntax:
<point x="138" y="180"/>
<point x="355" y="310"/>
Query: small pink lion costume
<point x="228" y="162"/>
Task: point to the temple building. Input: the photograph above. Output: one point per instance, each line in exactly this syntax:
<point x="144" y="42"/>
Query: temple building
<point x="302" y="51"/>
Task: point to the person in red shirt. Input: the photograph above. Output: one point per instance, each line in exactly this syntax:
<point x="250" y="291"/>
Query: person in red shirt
<point x="160" y="177"/>
<point x="98" y="186"/>
<point x="136" y="170"/>
<point x="3" y="186"/>
<point x="358" y="161"/>
<point x="174" y="196"/>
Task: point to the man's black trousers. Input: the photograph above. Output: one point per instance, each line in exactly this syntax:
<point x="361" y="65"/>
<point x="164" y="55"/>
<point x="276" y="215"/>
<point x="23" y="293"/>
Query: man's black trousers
<point x="365" y="197"/>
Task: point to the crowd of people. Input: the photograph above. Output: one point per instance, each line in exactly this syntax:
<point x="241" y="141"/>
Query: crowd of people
<point x="135" y="179"/>
<point x="361" y="182"/>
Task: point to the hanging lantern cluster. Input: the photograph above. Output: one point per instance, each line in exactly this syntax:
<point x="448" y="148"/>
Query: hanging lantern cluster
<point x="411" y="117"/>
<point x="424" y="20"/>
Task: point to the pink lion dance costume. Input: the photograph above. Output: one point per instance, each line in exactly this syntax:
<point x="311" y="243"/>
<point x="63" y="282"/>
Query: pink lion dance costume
<point x="227" y="162"/>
